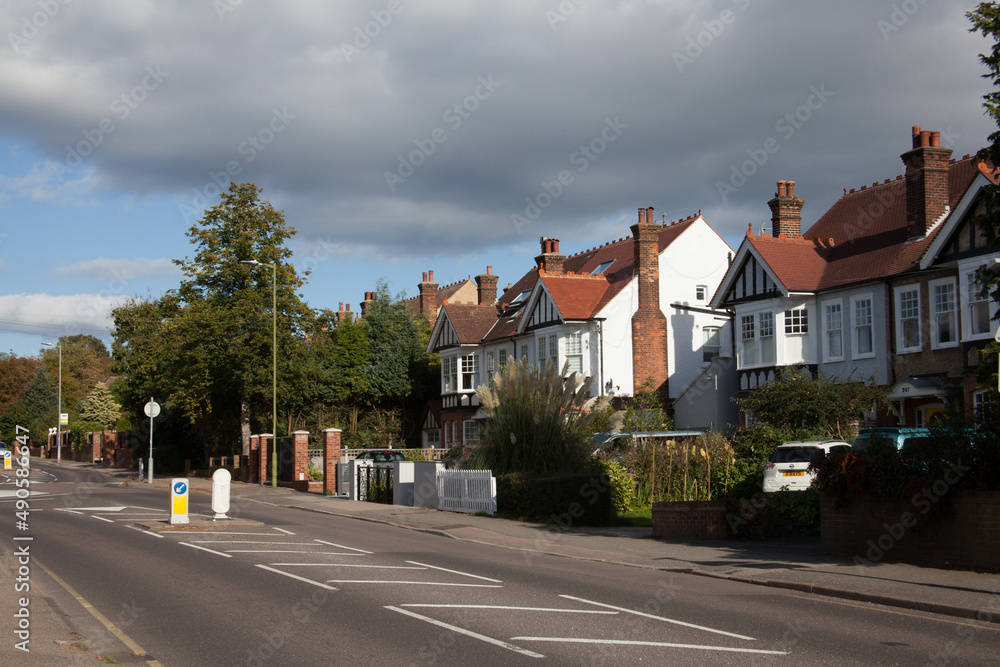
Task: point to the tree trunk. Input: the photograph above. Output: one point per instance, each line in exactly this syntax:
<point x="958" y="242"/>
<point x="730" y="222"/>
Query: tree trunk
<point x="245" y="427"/>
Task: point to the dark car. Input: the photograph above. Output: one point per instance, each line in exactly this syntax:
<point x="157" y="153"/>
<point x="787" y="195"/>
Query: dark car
<point x="381" y="456"/>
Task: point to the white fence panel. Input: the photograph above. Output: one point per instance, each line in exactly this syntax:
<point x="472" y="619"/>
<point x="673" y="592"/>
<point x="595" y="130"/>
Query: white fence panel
<point x="467" y="491"/>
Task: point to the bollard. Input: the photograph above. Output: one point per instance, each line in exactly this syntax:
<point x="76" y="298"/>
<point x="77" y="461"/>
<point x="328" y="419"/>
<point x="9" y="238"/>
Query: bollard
<point x="178" y="501"/>
<point x="221" y="479"/>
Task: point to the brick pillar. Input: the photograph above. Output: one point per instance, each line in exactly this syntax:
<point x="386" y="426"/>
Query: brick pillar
<point x="265" y="452"/>
<point x="331" y="457"/>
<point x="786" y="211"/>
<point x="95" y="446"/>
<point x="108" y="448"/>
<point x="300" y="466"/>
<point x="254" y="462"/>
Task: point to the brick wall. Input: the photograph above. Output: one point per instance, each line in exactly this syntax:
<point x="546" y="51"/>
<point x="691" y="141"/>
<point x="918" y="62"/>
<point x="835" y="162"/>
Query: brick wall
<point x="300" y="465"/>
<point x="874" y="530"/>
<point x="689" y="520"/>
<point x="331" y="457"/>
<point x="649" y="324"/>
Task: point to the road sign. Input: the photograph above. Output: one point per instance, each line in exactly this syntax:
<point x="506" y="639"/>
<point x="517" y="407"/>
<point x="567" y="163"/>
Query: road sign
<point x="152" y="408"/>
<point x="6" y="460"/>
<point x="178" y="501"/>
<point x="63" y="418"/>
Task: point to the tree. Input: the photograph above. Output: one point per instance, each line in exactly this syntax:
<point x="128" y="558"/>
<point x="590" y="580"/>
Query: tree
<point x="36" y="411"/>
<point x="85" y="361"/>
<point x="100" y="407"/>
<point x="16" y="374"/>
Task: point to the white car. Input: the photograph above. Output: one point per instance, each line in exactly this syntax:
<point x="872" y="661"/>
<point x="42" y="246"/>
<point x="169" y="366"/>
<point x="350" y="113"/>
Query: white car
<point x="787" y="469"/>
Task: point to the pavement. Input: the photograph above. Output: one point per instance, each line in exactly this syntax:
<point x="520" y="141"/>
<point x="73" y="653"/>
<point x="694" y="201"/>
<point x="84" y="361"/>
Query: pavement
<point x="795" y="563"/>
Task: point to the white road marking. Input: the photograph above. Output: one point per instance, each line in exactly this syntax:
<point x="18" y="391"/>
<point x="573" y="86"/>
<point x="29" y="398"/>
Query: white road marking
<point x="341" y="546"/>
<point x="117" y="508"/>
<point x="63" y="509"/>
<point x="148" y="532"/>
<point x="500" y="606"/>
<point x="211" y="551"/>
<point x="464" y="574"/>
<point x="287" y="551"/>
<point x="413" y="583"/>
<point x="101" y="518"/>
<point x="629" y="642"/>
<point x="658" y="618"/>
<point x="295" y="576"/>
<point x="377" y="567"/>
<point x="286" y="532"/>
<point x="467" y="633"/>
<point x="289" y="544"/>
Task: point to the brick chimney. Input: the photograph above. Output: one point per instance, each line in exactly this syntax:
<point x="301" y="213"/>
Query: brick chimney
<point x="428" y="295"/>
<point x="369" y="297"/>
<point x="786" y="211"/>
<point x="343" y="315"/>
<point x="551" y="260"/>
<point x="487" y="284"/>
<point x="926" y="182"/>
<point x="649" y="325"/>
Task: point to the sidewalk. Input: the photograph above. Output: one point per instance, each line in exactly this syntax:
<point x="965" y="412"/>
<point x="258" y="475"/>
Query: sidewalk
<point x="794" y="563"/>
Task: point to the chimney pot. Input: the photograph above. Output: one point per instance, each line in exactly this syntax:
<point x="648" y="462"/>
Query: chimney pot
<point x="925" y="138"/>
<point x="790" y="188"/>
<point x="642" y="217"/>
<point x="936" y="139"/>
<point x="781" y="188"/>
<point x="430" y="276"/>
<point x="489" y="270"/>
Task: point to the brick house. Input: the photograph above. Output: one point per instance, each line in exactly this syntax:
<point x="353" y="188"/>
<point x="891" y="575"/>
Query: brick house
<point x="878" y="287"/>
<point x="628" y="312"/>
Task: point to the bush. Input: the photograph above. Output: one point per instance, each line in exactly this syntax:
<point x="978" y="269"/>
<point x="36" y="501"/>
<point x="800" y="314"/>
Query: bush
<point x="622" y="485"/>
<point x="786" y="513"/>
<point x="568" y="499"/>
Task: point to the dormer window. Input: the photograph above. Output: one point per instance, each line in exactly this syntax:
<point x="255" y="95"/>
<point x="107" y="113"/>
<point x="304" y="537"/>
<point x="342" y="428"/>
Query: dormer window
<point x="521" y="297"/>
<point x="602" y="267"/>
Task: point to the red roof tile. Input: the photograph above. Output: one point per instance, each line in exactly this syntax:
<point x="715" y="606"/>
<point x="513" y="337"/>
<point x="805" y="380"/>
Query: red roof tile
<point x="862" y="237"/>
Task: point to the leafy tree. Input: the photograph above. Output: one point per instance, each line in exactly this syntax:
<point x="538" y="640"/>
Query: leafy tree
<point x="100" y="407"/>
<point x="36" y="411"/>
<point x="797" y="403"/>
<point x="16" y="374"/>
<point x="394" y="344"/>
<point x="85" y="361"/>
<point x="986" y="20"/>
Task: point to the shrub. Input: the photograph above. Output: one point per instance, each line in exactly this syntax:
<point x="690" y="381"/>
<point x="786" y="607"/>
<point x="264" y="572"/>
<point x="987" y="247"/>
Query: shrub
<point x="622" y="485"/>
<point x="568" y="499"/>
<point x="758" y="516"/>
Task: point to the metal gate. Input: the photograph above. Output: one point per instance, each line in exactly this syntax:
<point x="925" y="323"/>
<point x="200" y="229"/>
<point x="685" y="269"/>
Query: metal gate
<point x="375" y="484"/>
<point x="286" y="458"/>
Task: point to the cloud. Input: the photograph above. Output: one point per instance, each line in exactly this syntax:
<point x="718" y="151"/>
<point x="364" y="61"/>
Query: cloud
<point x="123" y="270"/>
<point x="49" y="182"/>
<point x="56" y="316"/>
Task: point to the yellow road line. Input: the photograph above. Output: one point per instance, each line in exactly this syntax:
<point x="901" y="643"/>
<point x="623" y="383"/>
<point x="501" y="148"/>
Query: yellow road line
<point x="128" y="641"/>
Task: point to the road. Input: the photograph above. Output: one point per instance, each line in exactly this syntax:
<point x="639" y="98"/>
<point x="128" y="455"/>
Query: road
<point x="303" y="588"/>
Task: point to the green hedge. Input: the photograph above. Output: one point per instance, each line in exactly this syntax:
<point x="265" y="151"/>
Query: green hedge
<point x="569" y="499"/>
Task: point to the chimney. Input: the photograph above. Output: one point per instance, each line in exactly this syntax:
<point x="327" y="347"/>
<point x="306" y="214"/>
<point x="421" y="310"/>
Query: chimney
<point x="428" y="295"/>
<point x="343" y="315"/>
<point x="786" y="211"/>
<point x="487" y="284"/>
<point x="649" y="325"/>
<point x="369" y="297"/>
<point x="926" y="182"/>
<point x="551" y="260"/>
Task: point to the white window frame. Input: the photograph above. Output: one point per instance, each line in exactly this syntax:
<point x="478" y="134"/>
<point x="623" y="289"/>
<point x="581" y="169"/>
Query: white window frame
<point x="574" y="351"/>
<point x="542" y="349"/>
<point x="709" y="350"/>
<point x="701" y="292"/>
<point x="828" y="308"/>
<point x="748" y="340"/>
<point x="898" y="299"/>
<point x="472" y="433"/>
<point x="501" y="358"/>
<point x="797" y="321"/>
<point x="469" y="372"/>
<point x="857" y="327"/>
<point x="449" y="375"/>
<point x="982" y="401"/>
<point x="970" y="302"/>
<point x="766" y="341"/>
<point x="933" y="287"/>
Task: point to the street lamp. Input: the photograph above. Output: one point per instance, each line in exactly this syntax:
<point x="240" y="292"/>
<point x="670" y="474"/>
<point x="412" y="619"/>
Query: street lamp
<point x="58" y="406"/>
<point x="274" y="364"/>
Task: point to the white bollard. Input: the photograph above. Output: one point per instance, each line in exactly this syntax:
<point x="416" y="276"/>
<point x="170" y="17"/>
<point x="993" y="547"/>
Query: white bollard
<point x="220" y="493"/>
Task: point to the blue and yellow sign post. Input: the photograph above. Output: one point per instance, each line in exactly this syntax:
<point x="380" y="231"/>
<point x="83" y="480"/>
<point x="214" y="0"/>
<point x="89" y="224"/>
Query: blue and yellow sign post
<point x="6" y="460"/>
<point x="178" y="501"/>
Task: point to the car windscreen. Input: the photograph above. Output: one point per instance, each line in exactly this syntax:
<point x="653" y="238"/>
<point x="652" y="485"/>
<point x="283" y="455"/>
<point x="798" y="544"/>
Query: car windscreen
<point x="794" y="454"/>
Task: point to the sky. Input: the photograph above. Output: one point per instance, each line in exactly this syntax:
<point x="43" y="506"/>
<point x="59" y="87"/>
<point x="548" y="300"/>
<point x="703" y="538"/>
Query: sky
<point x="401" y="136"/>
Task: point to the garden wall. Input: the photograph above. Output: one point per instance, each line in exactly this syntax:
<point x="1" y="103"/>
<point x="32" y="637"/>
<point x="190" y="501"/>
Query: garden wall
<point x="689" y="520"/>
<point x="962" y="530"/>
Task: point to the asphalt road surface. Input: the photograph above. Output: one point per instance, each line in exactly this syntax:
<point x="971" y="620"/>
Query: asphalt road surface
<point x="303" y="588"/>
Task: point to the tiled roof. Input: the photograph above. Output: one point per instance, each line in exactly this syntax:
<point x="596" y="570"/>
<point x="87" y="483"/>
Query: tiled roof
<point x="470" y="321"/>
<point x="443" y="292"/>
<point x="861" y="237"/>
<point x="581" y="296"/>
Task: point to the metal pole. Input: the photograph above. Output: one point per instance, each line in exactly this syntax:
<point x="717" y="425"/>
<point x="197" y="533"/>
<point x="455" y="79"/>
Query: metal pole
<point x="151" y="445"/>
<point x="59" y="414"/>
<point x="274" y="374"/>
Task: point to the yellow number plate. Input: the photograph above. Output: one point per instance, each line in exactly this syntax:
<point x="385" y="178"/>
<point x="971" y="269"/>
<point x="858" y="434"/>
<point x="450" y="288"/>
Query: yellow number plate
<point x="794" y="474"/>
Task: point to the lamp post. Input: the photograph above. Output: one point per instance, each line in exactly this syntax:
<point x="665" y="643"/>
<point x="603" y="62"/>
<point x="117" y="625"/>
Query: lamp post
<point x="274" y="364"/>
<point x="58" y="406"/>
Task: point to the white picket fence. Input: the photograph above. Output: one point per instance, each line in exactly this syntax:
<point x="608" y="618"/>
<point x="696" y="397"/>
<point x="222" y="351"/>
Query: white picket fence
<point x="467" y="491"/>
